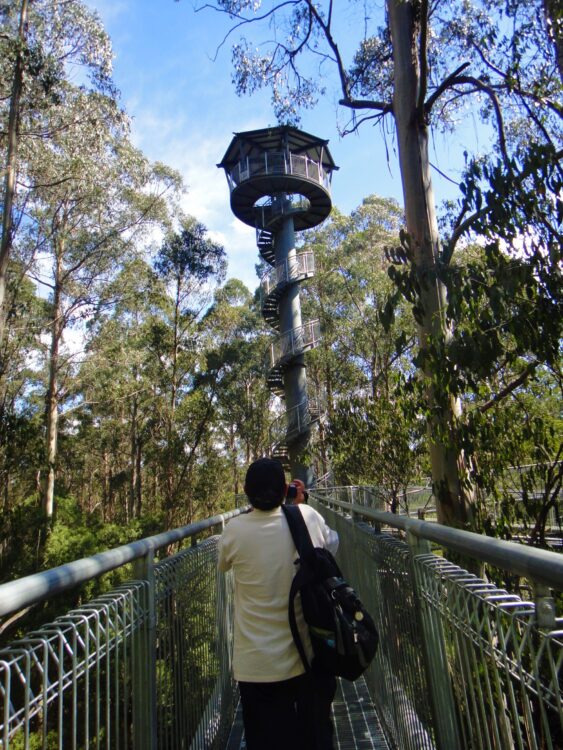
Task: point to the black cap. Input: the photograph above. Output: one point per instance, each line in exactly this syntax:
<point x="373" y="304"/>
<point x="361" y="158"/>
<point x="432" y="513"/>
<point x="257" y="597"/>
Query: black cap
<point x="265" y="483"/>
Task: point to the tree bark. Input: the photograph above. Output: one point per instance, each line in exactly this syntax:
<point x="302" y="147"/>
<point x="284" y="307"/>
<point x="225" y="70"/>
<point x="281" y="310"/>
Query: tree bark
<point x="134" y="478"/>
<point x="453" y="500"/>
<point x="52" y="399"/>
<point x="554" y="23"/>
<point x="11" y="163"/>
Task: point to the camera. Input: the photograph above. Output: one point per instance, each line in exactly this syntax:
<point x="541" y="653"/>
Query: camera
<point x="291" y="492"/>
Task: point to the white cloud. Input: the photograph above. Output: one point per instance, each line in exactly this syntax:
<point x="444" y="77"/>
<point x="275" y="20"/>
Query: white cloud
<point x="195" y="155"/>
<point x="240" y="242"/>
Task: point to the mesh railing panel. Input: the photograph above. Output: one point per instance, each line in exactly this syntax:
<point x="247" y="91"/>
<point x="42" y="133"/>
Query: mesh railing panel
<point x="70" y="683"/>
<point x="462" y="663"/>
<point x="505" y="671"/>
<point x="85" y="680"/>
<point x="195" y="690"/>
<point x="378" y="566"/>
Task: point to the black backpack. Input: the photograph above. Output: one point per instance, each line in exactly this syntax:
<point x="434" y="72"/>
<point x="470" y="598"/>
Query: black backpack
<point x="343" y="634"/>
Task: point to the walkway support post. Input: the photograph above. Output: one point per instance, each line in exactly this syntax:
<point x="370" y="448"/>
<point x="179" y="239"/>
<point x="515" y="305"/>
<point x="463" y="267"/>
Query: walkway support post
<point x="144" y="660"/>
<point x="434" y="655"/>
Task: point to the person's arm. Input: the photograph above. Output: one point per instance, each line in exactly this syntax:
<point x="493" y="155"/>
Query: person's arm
<point x="331" y="539"/>
<point x="329" y="536"/>
<point x="301" y="494"/>
<point x="224" y="562"/>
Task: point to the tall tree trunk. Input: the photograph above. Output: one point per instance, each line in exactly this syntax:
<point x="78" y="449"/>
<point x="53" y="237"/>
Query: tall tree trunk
<point x="454" y="502"/>
<point x="52" y="400"/>
<point x="135" y="487"/>
<point x="11" y="162"/>
<point x="139" y="485"/>
<point x="132" y="494"/>
<point x="105" y="486"/>
<point x="554" y="23"/>
<point x="170" y="447"/>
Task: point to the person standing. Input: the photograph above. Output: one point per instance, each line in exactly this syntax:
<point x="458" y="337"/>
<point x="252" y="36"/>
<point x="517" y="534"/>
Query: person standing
<point x="284" y="707"/>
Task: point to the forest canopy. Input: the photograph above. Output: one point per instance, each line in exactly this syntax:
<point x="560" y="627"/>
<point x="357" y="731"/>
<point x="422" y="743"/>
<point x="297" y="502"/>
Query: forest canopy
<point x="132" y="388"/>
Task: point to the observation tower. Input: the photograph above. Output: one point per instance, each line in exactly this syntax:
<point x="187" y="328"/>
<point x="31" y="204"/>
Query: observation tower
<point x="279" y="180"/>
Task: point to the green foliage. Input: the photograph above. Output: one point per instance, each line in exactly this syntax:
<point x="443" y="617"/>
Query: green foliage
<point x="501" y="352"/>
<point x="374" y="444"/>
<point x="35" y="741"/>
<point x="29" y="544"/>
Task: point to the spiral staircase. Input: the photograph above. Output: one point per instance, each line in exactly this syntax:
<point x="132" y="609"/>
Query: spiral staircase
<point x="279" y="180"/>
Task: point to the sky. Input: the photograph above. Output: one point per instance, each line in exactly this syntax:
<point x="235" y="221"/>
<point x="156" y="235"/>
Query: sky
<point x="176" y="86"/>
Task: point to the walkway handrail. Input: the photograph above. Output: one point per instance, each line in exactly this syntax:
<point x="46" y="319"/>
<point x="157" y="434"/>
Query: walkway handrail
<point x="21" y="593"/>
<point x="543" y="566"/>
<point x="463" y="662"/>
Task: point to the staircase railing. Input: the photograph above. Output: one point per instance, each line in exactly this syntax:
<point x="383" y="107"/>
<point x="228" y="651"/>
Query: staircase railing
<point x="292" y="343"/>
<point x="299" y="267"/>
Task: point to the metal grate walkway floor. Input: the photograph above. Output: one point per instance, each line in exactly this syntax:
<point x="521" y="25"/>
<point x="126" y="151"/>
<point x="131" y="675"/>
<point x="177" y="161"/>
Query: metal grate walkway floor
<point x="355" y="722"/>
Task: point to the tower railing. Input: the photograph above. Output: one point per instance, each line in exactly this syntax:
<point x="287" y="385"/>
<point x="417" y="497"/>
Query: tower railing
<point x="295" y="421"/>
<point x="275" y="163"/>
<point x="294" y="342"/>
<point x="299" y="267"/>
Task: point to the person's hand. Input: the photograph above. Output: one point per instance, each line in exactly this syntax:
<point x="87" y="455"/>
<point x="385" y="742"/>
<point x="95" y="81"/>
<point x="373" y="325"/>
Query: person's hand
<point x="301" y="496"/>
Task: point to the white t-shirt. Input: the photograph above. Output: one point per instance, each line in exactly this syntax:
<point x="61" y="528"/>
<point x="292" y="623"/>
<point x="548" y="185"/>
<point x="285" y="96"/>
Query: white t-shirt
<point x="259" y="548"/>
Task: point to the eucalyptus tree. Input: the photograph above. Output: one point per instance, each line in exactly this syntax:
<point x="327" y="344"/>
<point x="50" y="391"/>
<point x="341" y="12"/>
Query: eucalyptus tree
<point x="115" y="383"/>
<point x="189" y="264"/>
<point x="350" y="290"/>
<point x="236" y="341"/>
<point x="93" y="194"/>
<point x="42" y="44"/>
<point x="20" y="411"/>
<point x="360" y="361"/>
<point x="425" y="65"/>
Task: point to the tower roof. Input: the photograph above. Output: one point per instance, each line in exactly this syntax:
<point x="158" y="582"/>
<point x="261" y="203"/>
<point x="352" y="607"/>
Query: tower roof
<point x="275" y="140"/>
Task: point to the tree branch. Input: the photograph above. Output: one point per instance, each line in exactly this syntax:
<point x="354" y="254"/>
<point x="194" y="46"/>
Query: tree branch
<point x="242" y="20"/>
<point x="334" y="47"/>
<point x="461" y="227"/>
<point x="553" y="106"/>
<point x="458" y="232"/>
<point x="528" y="370"/>
<point x="444" y="86"/>
<point x="423" y="57"/>
<point x="383" y="107"/>
<point x="357" y="123"/>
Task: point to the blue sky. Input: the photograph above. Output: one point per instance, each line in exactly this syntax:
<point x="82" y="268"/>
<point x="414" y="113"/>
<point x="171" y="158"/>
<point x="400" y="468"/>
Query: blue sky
<point x="184" y="110"/>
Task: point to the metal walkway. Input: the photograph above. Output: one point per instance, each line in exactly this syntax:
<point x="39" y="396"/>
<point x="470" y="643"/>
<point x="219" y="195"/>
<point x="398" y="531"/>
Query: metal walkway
<point x="356" y="726"/>
<point x="461" y="663"/>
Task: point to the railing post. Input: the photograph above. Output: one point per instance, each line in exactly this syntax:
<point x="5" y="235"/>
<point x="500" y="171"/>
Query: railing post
<point x="435" y="657"/>
<point x="144" y="661"/>
<point x="545" y="607"/>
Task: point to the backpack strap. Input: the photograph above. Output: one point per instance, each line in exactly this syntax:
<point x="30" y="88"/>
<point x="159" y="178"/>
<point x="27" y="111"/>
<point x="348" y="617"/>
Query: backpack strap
<point x="299" y="530"/>
<point x="304" y="547"/>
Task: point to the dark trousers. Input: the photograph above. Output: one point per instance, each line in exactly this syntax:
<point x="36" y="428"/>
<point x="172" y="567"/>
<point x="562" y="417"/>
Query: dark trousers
<point x="288" y="715"/>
